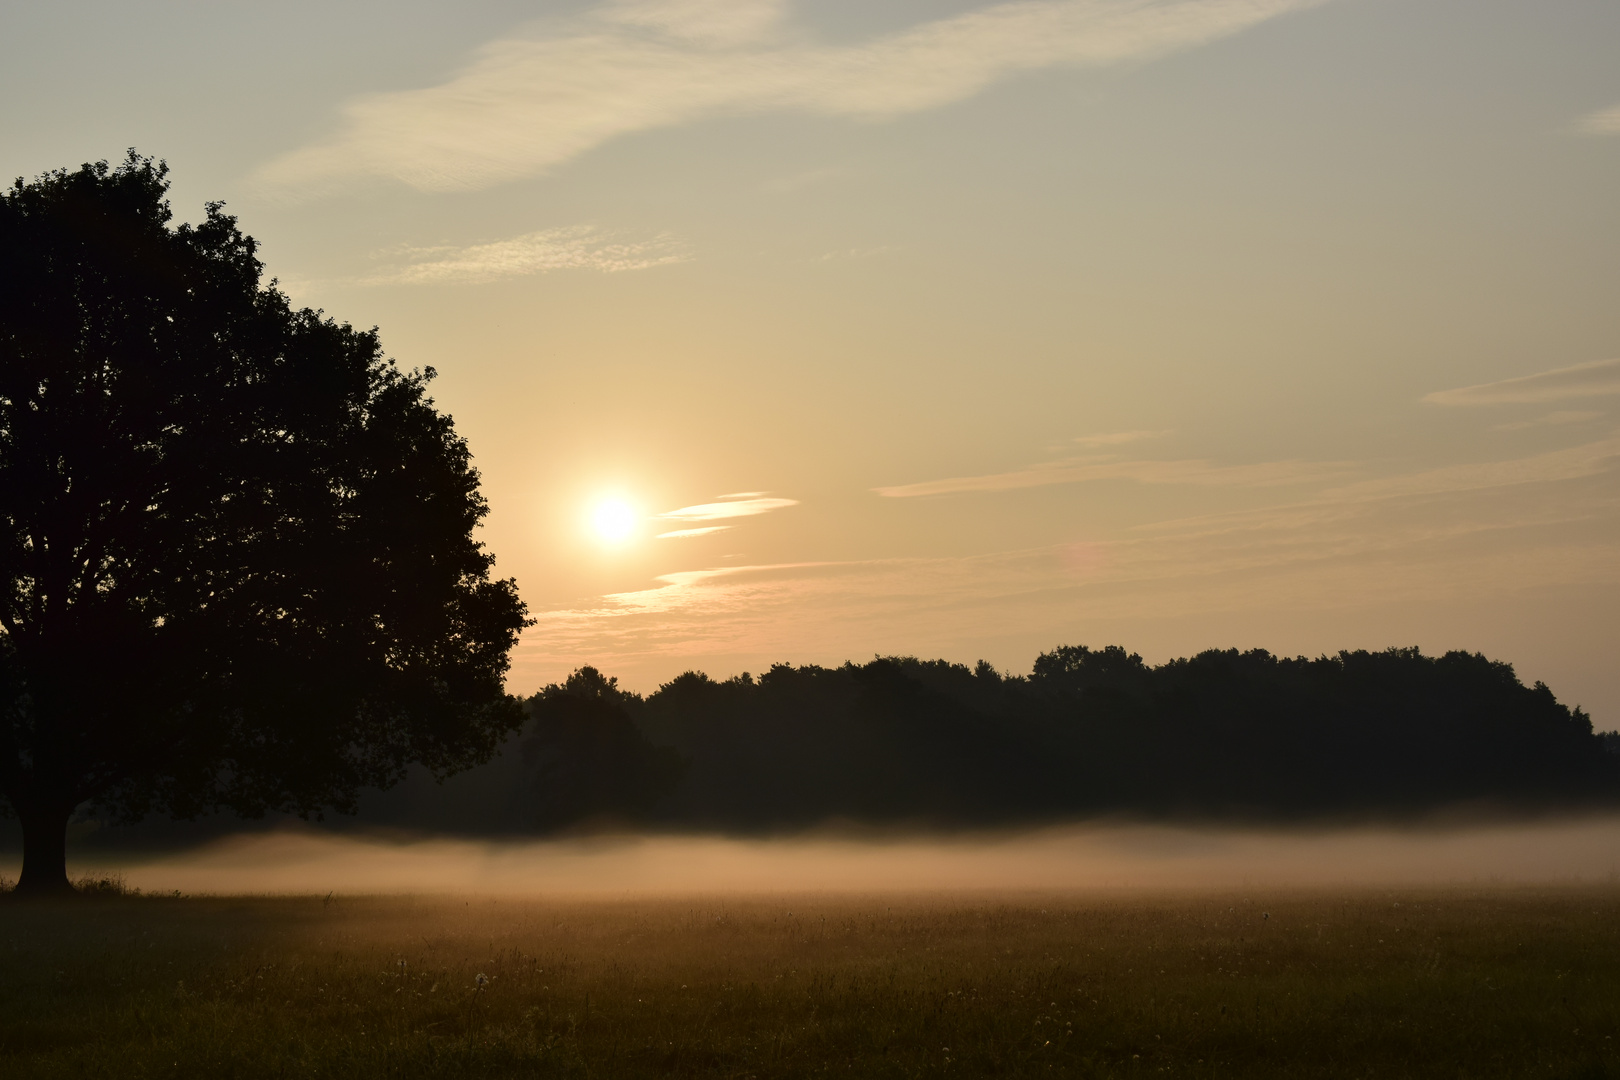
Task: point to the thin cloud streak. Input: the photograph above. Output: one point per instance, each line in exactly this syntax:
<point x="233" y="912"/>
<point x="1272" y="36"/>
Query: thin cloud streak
<point x="526" y="105"/>
<point x="1342" y="503"/>
<point x="718" y="511"/>
<point x="1117" y="438"/>
<point x="676" y="591"/>
<point x="1577" y="416"/>
<point x="715" y="23"/>
<point x="1603" y="122"/>
<point x="1571" y="463"/>
<point x="1081" y="470"/>
<point x="682" y="534"/>
<point x="1581" y="380"/>
<point x="578" y="247"/>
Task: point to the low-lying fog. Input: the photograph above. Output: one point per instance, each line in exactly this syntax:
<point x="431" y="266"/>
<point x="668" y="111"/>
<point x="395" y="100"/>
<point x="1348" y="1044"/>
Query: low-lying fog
<point x="1074" y="857"/>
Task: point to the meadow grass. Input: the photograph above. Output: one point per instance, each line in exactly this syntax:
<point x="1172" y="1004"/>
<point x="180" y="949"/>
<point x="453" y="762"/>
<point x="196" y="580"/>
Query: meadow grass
<point x="1457" y="983"/>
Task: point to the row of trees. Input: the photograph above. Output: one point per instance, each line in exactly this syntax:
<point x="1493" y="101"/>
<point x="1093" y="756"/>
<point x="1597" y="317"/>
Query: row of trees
<point x="1235" y="735"/>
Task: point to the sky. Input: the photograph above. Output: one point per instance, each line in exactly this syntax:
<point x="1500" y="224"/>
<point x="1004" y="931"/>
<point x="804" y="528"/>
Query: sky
<point x="793" y="331"/>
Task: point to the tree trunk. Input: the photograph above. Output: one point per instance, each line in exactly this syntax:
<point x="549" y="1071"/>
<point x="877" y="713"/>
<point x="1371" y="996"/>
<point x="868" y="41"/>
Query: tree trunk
<point x="44" y="868"/>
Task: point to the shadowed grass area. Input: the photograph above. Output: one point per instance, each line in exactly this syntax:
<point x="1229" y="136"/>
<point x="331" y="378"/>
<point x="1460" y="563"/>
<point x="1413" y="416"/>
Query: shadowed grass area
<point x="1476" y="983"/>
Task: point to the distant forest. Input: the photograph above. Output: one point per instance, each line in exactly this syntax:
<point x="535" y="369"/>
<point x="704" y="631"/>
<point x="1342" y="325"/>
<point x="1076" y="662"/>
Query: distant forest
<point x="904" y="742"/>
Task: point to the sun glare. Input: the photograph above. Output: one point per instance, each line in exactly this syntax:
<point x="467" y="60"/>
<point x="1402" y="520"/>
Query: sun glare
<point x="613" y="521"/>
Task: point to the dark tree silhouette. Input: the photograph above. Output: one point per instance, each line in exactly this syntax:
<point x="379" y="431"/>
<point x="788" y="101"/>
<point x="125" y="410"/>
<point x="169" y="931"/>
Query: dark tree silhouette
<point x="1222" y="735"/>
<point x="587" y="759"/>
<point x="235" y="539"/>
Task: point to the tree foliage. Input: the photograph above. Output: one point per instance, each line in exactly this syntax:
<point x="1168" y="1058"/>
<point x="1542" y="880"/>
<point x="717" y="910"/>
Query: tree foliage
<point x="237" y="565"/>
<point x="588" y="759"/>
<point x="1223" y="734"/>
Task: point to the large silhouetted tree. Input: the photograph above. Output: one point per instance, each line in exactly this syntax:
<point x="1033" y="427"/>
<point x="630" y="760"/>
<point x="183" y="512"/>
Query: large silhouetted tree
<point x="235" y="539"/>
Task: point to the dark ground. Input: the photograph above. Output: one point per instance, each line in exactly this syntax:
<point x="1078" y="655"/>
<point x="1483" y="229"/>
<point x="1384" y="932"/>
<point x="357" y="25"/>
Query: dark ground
<point x="1453" y="983"/>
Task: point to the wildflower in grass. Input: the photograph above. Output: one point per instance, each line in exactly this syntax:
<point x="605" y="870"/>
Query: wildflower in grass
<point x="481" y="980"/>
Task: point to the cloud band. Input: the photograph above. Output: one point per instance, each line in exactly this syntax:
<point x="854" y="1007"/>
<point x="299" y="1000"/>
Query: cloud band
<point x="525" y="106"/>
<point x="1581" y="380"/>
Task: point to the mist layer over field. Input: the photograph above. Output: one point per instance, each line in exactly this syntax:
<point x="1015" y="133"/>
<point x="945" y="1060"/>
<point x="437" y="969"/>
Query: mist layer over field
<point x="1118" y="856"/>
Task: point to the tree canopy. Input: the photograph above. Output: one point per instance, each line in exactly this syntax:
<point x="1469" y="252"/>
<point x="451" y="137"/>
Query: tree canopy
<point x="237" y="564"/>
<point x="1223" y="734"/>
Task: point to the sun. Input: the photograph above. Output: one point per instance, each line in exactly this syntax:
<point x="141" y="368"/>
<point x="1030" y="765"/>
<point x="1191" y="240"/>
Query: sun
<point x="614" y="521"/>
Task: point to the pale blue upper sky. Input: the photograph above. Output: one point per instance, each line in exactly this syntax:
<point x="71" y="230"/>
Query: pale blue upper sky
<point x="1005" y="324"/>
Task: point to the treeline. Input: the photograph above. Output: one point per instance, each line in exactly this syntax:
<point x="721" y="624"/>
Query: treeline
<point x="900" y="741"/>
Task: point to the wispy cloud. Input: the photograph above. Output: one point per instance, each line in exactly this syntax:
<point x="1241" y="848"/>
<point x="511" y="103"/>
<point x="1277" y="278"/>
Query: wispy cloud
<point x="1602" y="122"/>
<point x="1581" y="380"/>
<point x="713" y="23"/>
<point x="682" y="534"/>
<point x="856" y="253"/>
<point x="528" y="104"/>
<point x="577" y="247"/>
<point x="1570" y="416"/>
<point x="1080" y="470"/>
<point x="1117" y="438"/>
<point x="1570" y="463"/>
<point x="738" y="504"/>
<point x="733" y="507"/>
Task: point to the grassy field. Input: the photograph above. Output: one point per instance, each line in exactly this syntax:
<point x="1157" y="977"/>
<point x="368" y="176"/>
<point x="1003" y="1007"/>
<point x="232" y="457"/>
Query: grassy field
<point x="1460" y="983"/>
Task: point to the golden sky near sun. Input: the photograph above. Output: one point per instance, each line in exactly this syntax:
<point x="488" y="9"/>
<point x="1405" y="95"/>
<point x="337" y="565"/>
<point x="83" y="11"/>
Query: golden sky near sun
<point x="793" y="331"/>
